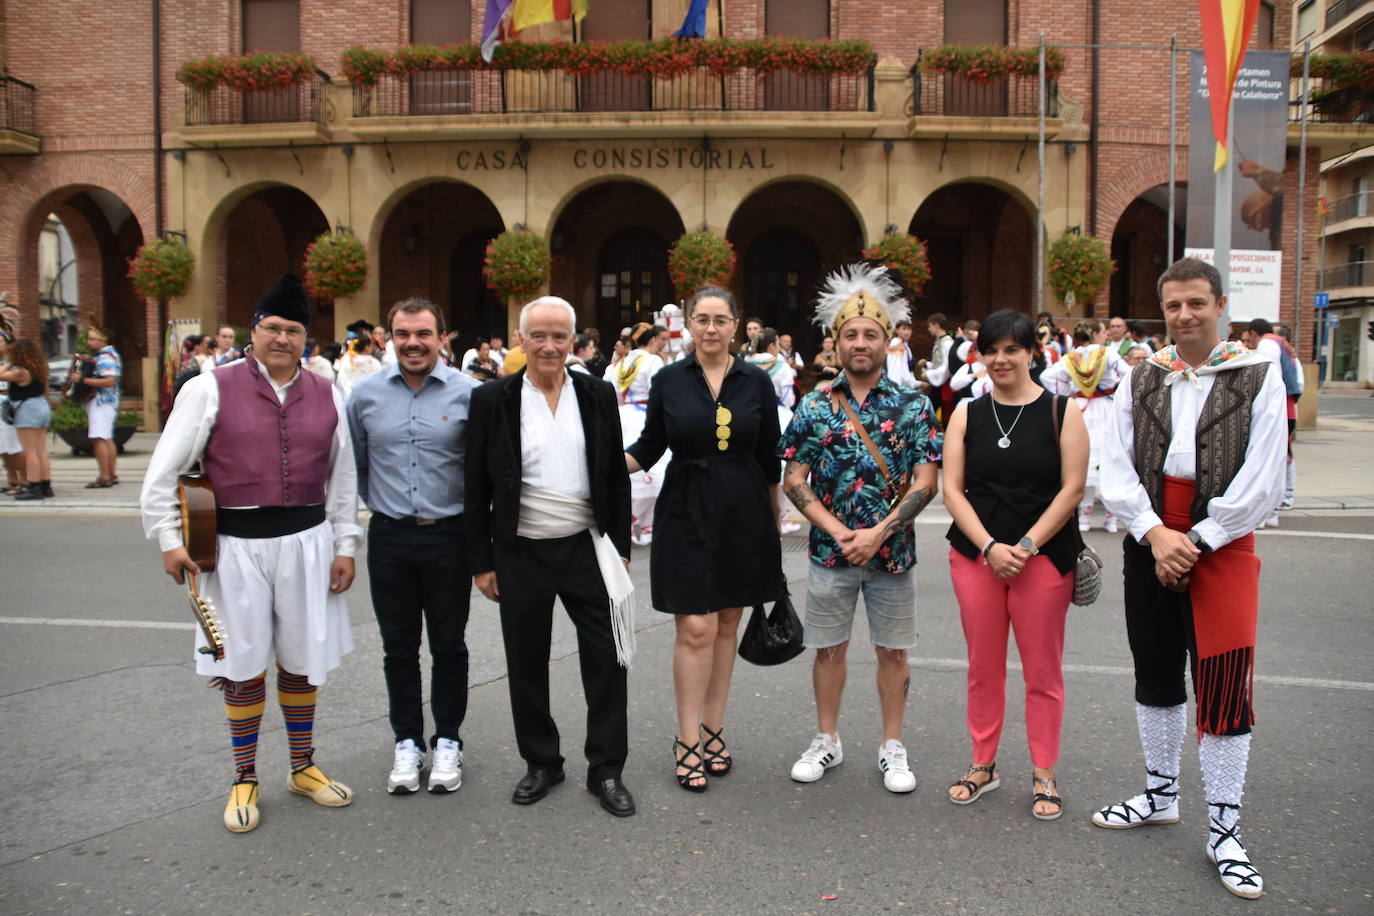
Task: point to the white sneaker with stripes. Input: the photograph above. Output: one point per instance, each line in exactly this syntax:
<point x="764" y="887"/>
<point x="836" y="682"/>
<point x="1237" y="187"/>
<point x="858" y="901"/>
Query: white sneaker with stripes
<point x="824" y="753"/>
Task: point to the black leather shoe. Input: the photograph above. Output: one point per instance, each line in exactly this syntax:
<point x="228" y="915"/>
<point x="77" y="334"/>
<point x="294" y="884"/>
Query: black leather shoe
<point x="615" y="798"/>
<point x="535" y="784"/>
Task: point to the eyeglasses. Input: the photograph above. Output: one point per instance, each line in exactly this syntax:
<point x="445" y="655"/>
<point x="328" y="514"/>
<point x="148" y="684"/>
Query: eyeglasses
<point x="276" y="330"/>
<point x="715" y="321"/>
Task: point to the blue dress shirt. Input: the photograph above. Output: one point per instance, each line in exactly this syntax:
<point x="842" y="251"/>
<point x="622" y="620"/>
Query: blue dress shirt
<point x="409" y="444"/>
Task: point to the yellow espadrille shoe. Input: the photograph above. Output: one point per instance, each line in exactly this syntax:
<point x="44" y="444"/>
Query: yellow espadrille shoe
<point x="241" y="813"/>
<point x="311" y="782"/>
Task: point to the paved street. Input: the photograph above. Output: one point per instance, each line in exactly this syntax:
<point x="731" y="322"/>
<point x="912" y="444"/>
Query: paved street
<point x="117" y="762"/>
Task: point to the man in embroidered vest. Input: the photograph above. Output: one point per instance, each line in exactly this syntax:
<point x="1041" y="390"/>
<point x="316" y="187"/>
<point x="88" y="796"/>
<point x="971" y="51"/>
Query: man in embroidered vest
<point x="273" y="440"/>
<point x="547" y="515"/>
<point x="1192" y="464"/>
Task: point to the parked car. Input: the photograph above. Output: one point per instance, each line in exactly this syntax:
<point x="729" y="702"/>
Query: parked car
<point x="58" y="367"/>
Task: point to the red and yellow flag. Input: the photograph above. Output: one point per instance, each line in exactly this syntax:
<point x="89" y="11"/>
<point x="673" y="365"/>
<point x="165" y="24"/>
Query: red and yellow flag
<point x="1226" y="28"/>
<point x="528" y="13"/>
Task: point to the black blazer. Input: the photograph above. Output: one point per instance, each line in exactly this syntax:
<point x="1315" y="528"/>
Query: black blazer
<point x="491" y="501"/>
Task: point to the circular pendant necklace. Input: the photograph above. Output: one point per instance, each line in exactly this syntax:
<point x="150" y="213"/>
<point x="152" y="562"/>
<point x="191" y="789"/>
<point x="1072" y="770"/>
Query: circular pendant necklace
<point x="1005" y="441"/>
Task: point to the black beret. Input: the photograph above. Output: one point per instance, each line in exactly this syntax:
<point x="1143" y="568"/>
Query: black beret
<point x="286" y="299"/>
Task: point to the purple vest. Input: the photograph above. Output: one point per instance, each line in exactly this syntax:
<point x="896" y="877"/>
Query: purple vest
<point x="265" y="453"/>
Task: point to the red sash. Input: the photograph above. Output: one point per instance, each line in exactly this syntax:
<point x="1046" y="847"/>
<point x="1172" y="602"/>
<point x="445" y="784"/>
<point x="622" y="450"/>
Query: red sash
<point x="1224" y="593"/>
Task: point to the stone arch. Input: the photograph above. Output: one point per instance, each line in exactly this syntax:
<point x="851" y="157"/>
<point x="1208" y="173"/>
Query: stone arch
<point x="839" y="191"/>
<point x="572" y="192"/>
<point x="1132" y="180"/>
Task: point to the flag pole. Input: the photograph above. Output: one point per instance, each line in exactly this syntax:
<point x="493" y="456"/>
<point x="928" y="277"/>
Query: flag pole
<point x="1221" y="211"/>
<point x="1302" y="198"/>
<point x="1173" y="139"/>
<point x="1040" y="200"/>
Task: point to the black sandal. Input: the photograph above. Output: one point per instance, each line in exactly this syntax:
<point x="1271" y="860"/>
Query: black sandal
<point x="717" y="764"/>
<point x="976" y="789"/>
<point x="1048" y="795"/>
<point x="694" y="770"/>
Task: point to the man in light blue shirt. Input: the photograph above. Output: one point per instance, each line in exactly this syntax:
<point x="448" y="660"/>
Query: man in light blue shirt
<point x="409" y="425"/>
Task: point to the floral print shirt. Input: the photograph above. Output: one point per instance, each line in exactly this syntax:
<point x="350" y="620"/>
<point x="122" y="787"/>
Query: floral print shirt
<point x="901" y="422"/>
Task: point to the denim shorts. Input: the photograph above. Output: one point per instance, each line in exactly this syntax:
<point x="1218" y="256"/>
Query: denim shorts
<point x="33" y="413"/>
<point x="832" y="596"/>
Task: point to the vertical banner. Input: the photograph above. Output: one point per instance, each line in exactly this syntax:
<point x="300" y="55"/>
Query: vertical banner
<point x="1259" y="128"/>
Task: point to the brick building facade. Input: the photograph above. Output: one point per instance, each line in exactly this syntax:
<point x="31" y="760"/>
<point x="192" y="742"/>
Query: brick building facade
<point x="609" y="189"/>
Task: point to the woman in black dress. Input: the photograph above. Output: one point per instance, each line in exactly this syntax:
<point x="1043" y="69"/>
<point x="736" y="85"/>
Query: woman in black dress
<point x="716" y="547"/>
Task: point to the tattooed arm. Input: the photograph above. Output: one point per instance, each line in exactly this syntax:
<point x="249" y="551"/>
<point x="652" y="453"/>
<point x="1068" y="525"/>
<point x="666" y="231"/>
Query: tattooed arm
<point x="922" y="490"/>
<point x="795" y="485"/>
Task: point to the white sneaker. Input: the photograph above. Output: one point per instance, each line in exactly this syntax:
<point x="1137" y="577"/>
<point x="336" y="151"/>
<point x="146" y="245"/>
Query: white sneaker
<point x="788" y="527"/>
<point x="446" y="766"/>
<point x="405" y="769"/>
<point x="1110" y="525"/>
<point x="823" y="754"/>
<point x="1085" y="526"/>
<point x="1272" y="521"/>
<point x="897" y="775"/>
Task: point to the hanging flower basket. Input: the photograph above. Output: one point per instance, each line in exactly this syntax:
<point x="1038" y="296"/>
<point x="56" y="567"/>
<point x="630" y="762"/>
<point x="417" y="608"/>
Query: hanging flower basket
<point x="161" y="269"/>
<point x="516" y="264"/>
<point x="335" y="266"/>
<point x="1079" y="264"/>
<point x="906" y="253"/>
<point x="699" y="259"/>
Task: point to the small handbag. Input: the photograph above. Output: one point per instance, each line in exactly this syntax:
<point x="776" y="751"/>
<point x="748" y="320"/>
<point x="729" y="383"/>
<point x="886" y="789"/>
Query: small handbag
<point x="1087" y="569"/>
<point x="8" y="409"/>
<point x="772" y="637"/>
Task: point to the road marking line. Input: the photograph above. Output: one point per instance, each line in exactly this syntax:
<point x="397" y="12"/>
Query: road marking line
<point x="1278" y="680"/>
<point x="88" y="622"/>
<point x="1316" y="534"/>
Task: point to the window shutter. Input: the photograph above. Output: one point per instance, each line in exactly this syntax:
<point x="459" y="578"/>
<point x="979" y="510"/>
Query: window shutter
<point x="440" y="22"/>
<point x="975" y="22"/>
<point x="797" y="18"/>
<point x="616" y="20"/>
<point x="271" y="25"/>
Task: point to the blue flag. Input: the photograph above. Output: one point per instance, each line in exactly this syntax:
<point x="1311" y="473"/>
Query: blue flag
<point x="694" y="26"/>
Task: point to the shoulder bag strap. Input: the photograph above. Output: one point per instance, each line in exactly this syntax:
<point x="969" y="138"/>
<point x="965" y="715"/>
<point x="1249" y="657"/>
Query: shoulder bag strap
<point x="843" y="401"/>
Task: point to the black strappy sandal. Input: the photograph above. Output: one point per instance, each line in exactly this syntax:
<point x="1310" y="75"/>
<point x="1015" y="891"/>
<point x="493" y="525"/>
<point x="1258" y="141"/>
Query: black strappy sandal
<point x="1048" y="795"/>
<point x="976" y="789"/>
<point x="717" y="764"/>
<point x="694" y="770"/>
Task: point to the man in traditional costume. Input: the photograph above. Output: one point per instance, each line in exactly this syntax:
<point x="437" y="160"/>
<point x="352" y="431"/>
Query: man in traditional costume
<point x="1192" y="465"/>
<point x="1089" y="374"/>
<point x="273" y="440"/>
<point x="632" y="377"/>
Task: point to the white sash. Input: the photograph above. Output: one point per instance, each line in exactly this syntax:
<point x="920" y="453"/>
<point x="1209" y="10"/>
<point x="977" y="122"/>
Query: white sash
<point x="546" y="514"/>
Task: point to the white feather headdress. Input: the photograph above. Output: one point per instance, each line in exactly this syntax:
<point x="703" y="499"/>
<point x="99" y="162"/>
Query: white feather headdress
<point x="861" y="291"/>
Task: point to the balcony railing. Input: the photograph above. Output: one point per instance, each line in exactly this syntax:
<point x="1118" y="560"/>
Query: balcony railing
<point x="1350" y="105"/>
<point x="1356" y="273"/>
<point x="225" y="105"/>
<point x="954" y="95"/>
<point x="1340" y="9"/>
<point x="1352" y="206"/>
<point x="493" y="92"/>
<point x="17" y="106"/>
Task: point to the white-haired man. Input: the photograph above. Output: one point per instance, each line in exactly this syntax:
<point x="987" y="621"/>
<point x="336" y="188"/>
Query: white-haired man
<point x="547" y="515"/>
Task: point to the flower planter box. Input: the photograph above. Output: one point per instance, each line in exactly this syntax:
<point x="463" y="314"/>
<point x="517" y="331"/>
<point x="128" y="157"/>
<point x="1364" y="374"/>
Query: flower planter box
<point x="80" y="443"/>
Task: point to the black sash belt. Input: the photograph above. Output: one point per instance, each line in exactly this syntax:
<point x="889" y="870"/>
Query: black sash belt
<point x="267" y="521"/>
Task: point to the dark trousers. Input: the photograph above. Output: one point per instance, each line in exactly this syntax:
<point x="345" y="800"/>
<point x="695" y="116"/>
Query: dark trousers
<point x="420" y="574"/>
<point x="530" y="574"/>
<point x="1159" y="627"/>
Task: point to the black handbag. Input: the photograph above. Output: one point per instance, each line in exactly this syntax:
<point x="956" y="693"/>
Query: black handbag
<point x="772" y="637"/>
<point x="8" y="409"/>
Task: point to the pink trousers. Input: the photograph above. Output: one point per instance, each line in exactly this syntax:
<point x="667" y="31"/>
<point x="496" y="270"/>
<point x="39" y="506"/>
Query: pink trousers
<point x="1035" y="603"/>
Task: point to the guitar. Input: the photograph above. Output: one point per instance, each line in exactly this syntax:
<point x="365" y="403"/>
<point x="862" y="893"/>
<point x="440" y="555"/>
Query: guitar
<point x="196" y="497"/>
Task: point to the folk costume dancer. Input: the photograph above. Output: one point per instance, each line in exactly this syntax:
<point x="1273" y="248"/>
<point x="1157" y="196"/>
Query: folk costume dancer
<point x="287" y="535"/>
<point x="631" y="379"/>
<point x="861" y="464"/>
<point x="547" y="515"/>
<point x="1191" y="467"/>
<point x="935" y="371"/>
<point x="900" y="359"/>
<point x="767" y="355"/>
<point x="409" y="425"/>
<point x="1089" y="374"/>
<point x="1261" y="338"/>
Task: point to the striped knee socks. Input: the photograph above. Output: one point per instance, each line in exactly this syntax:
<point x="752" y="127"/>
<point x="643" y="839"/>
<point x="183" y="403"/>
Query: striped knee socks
<point x="243" y="705"/>
<point x="297" y="697"/>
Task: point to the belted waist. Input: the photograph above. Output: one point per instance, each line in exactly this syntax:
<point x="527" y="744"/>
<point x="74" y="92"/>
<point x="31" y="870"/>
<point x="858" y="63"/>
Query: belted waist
<point x="267" y="521"/>
<point x="414" y="521"/>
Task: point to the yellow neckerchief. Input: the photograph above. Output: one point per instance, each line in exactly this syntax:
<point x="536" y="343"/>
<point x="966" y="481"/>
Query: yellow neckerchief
<point x="1085" y="369"/>
<point x="625" y="375"/>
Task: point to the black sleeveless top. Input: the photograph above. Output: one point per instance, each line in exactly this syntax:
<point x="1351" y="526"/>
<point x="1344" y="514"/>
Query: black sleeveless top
<point x="1010" y="488"/>
<point x="33" y="389"/>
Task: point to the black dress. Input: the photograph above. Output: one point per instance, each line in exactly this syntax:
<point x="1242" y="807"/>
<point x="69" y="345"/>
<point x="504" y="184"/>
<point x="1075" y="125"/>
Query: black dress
<point x="715" y="538"/>
<point x="1010" y="488"/>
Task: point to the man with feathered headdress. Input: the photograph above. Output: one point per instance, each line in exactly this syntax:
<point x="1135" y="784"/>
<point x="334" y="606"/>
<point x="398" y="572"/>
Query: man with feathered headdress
<point x="861" y="463"/>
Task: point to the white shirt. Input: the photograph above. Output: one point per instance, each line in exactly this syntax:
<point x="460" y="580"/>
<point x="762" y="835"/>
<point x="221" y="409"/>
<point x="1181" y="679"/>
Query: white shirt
<point x="182" y="444"/>
<point x="1270" y="350"/>
<point x="389" y="354"/>
<point x="553" y="447"/>
<point x="965" y="377"/>
<point x="1253" y="493"/>
<point x="898" y="369"/>
<point x="1056" y="378"/>
<point x="938" y="369"/>
<point x="649" y="364"/>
